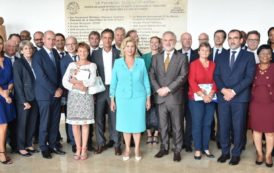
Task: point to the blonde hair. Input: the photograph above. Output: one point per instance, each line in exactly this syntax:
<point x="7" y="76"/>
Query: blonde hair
<point x="124" y="44"/>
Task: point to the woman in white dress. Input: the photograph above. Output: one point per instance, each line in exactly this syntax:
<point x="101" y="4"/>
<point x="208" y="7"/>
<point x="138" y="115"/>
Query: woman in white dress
<point x="78" y="78"/>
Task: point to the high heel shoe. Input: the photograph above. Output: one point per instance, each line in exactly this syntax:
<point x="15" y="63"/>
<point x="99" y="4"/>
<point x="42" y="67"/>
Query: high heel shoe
<point x="7" y="160"/>
<point x="208" y="154"/>
<point x="138" y="158"/>
<point x="126" y="156"/>
<point x="267" y="164"/>
<point x="77" y="156"/>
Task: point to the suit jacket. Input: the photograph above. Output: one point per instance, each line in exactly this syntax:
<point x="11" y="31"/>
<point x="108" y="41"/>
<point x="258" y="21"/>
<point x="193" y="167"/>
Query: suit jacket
<point x="97" y="58"/>
<point x="193" y="55"/>
<point x="239" y="78"/>
<point x="174" y="78"/>
<point x="48" y="75"/>
<point x="133" y="84"/>
<point x="24" y="81"/>
<point x="64" y="63"/>
<point x="218" y="55"/>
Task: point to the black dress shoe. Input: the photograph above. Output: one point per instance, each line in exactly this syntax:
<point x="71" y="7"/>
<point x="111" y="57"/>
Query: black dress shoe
<point x="33" y="151"/>
<point x="161" y="153"/>
<point x="177" y="157"/>
<point x="223" y="158"/>
<point x="59" y="145"/>
<point x="24" y="155"/>
<point x="188" y="149"/>
<point x="118" y="151"/>
<point x="259" y="162"/>
<point x="268" y="164"/>
<point x="57" y="151"/>
<point x="73" y="148"/>
<point x="110" y="144"/>
<point x="234" y="160"/>
<point x="46" y="154"/>
<point x="100" y="149"/>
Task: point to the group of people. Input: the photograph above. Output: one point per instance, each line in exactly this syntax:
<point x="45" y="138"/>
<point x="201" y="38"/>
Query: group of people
<point x="153" y="92"/>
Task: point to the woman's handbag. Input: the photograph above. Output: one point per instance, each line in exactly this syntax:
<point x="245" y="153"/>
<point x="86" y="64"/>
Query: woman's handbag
<point x="98" y="86"/>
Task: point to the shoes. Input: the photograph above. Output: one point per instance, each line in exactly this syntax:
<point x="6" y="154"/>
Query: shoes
<point x="234" y="160"/>
<point x="259" y="160"/>
<point x="177" y="157"/>
<point x="32" y="150"/>
<point x="57" y="151"/>
<point x="156" y="139"/>
<point x="126" y="156"/>
<point x="59" y="145"/>
<point x="27" y="154"/>
<point x="73" y="148"/>
<point x="267" y="164"/>
<point x="188" y="148"/>
<point x="7" y="160"/>
<point x="110" y="144"/>
<point x="138" y="158"/>
<point x="223" y="158"/>
<point x="118" y="151"/>
<point x="161" y="153"/>
<point x="46" y="154"/>
<point x="197" y="157"/>
<point x="208" y="154"/>
<point x="149" y="140"/>
<point x="100" y="149"/>
<point x="84" y="154"/>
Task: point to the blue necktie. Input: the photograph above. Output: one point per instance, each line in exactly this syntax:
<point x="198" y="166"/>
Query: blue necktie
<point x="74" y="58"/>
<point x="51" y="56"/>
<point x="216" y="53"/>
<point x="232" y="59"/>
<point x="62" y="55"/>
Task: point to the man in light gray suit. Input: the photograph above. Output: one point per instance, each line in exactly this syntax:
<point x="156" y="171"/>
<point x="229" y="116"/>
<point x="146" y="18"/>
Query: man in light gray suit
<point x="168" y="74"/>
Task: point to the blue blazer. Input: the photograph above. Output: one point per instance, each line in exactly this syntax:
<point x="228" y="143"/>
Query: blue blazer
<point x="224" y="51"/>
<point x="65" y="61"/>
<point x="239" y="78"/>
<point x="48" y="76"/>
<point x="129" y="83"/>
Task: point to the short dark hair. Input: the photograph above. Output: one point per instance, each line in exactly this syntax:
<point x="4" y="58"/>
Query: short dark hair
<point x="268" y="33"/>
<point x="221" y="31"/>
<point x="253" y="32"/>
<point x="14" y="35"/>
<point x="94" y="33"/>
<point x="60" y="35"/>
<point x="130" y="31"/>
<point x="107" y="30"/>
<point x="205" y="44"/>
<point x="264" y="46"/>
<point x="236" y="30"/>
<point x="156" y="37"/>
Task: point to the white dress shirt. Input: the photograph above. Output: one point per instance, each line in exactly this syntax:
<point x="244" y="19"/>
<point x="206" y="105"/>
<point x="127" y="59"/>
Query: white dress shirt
<point x="107" y="60"/>
<point x="12" y="58"/>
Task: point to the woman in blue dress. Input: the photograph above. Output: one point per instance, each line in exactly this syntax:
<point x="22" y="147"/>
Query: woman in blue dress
<point x="7" y="111"/>
<point x="130" y="93"/>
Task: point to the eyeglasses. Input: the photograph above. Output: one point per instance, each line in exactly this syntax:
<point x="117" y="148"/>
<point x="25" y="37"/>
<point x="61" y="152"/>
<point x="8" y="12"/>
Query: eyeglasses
<point x="72" y="44"/>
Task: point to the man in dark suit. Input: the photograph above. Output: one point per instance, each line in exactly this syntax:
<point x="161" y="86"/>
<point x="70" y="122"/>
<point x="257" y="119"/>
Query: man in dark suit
<point x="216" y="52"/>
<point x="71" y="46"/>
<point x="191" y="55"/>
<point x="168" y="74"/>
<point x="233" y="75"/>
<point x="48" y="92"/>
<point x="104" y="59"/>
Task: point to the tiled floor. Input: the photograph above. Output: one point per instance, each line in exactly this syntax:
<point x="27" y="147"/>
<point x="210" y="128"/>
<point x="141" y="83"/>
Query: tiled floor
<point x="108" y="163"/>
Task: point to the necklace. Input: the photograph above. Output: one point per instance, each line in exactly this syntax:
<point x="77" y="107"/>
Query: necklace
<point x="262" y="70"/>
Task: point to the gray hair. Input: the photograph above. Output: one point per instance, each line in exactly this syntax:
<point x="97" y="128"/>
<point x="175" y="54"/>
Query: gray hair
<point x="171" y="33"/>
<point x="25" y="43"/>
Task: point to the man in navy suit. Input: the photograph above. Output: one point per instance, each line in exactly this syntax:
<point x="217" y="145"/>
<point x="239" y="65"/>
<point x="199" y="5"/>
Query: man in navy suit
<point x="233" y="76"/>
<point x="191" y="55"/>
<point x="48" y="92"/>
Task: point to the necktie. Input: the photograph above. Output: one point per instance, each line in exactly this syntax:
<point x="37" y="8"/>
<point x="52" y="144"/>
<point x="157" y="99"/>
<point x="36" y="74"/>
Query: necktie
<point x="167" y="60"/>
<point x="51" y="56"/>
<point x="216" y="53"/>
<point x="186" y="54"/>
<point x="62" y="54"/>
<point x="74" y="58"/>
<point x="232" y="59"/>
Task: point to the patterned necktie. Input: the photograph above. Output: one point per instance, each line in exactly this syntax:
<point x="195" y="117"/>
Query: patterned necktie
<point x="167" y="60"/>
<point x="232" y="59"/>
